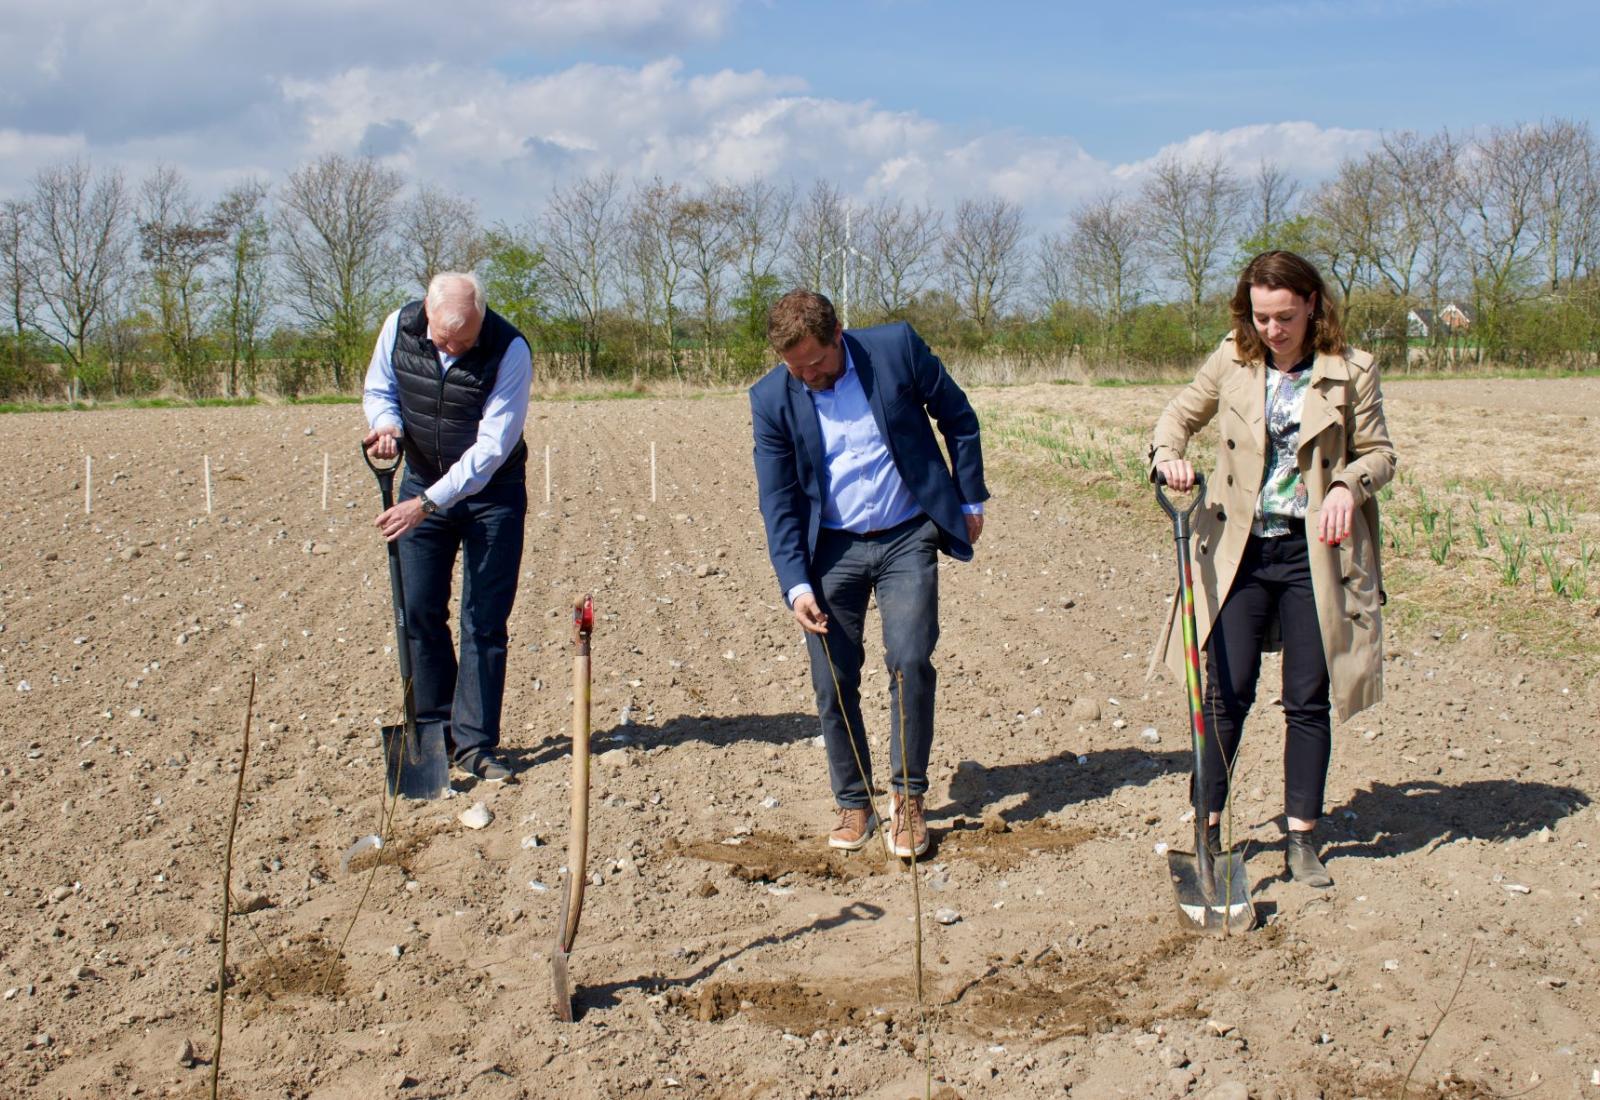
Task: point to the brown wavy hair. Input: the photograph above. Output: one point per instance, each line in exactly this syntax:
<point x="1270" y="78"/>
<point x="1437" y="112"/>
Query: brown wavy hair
<point x="1279" y="270"/>
<point x="798" y="314"/>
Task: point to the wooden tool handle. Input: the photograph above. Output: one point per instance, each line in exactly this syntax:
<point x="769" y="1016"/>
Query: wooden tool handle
<point x="578" y="844"/>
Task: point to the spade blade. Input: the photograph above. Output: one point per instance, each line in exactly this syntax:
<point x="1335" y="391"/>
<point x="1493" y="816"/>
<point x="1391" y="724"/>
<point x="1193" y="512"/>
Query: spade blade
<point x="1220" y="904"/>
<point x="415" y="762"/>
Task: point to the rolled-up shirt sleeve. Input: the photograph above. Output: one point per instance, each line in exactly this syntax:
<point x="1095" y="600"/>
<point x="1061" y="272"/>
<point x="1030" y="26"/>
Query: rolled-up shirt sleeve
<point x="504" y="414"/>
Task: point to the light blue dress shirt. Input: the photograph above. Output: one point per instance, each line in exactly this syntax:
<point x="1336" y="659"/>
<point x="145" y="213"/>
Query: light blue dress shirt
<point x="504" y="412"/>
<point x="864" y="491"/>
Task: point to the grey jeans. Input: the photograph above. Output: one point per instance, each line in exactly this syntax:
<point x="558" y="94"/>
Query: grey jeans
<point x="900" y="566"/>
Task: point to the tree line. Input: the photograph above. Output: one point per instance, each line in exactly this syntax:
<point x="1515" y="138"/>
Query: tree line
<point x="112" y="288"/>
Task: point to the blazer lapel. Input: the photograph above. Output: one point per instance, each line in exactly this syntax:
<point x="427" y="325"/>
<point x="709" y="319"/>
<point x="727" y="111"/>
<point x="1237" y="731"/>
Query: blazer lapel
<point x="805" y="419"/>
<point x="1325" y="397"/>
<point x="862" y="361"/>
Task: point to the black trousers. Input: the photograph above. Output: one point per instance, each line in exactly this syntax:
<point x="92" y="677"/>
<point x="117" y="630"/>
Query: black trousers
<point x="485" y="530"/>
<point x="1274" y="581"/>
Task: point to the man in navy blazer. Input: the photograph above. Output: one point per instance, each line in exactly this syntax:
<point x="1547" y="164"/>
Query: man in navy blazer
<point x="858" y="500"/>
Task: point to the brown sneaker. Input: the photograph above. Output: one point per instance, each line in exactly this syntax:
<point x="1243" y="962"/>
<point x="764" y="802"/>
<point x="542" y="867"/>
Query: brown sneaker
<point x="855" y="828"/>
<point x="909" y="834"/>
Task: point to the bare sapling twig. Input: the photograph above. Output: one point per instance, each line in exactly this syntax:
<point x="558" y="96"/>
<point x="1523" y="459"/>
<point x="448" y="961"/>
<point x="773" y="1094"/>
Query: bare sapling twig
<point x="272" y="960"/>
<point x="227" y="892"/>
<point x="850" y="735"/>
<point x="386" y="815"/>
<point x="1443" y="1012"/>
<point x="1232" y="765"/>
<point x="916" y="892"/>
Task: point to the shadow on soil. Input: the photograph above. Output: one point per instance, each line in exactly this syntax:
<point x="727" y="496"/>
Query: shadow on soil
<point x="771" y="729"/>
<point x="1054" y="784"/>
<point x="1394" y="818"/>
<point x="605" y="996"/>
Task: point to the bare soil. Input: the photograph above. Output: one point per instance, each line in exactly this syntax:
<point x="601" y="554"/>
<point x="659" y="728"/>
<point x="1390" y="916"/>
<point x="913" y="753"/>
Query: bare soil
<point x="726" y="952"/>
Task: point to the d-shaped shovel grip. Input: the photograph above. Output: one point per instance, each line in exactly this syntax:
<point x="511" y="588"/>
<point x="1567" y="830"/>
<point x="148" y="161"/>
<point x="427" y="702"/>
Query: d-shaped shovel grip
<point x="1181" y="518"/>
<point x="385" y="475"/>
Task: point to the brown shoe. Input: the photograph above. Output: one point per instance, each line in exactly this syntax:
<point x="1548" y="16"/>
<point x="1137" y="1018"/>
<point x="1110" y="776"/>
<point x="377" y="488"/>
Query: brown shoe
<point x="909" y="834"/>
<point x="855" y="828"/>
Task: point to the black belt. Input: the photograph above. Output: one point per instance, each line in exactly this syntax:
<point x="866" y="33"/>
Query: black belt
<point x="902" y="525"/>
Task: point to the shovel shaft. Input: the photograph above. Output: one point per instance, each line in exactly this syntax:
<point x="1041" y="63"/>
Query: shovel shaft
<point x="1181" y="530"/>
<point x="1197" y="719"/>
<point x="397" y="589"/>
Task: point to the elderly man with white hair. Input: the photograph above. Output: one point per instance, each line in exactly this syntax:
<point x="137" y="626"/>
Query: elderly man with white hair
<point x="448" y="385"/>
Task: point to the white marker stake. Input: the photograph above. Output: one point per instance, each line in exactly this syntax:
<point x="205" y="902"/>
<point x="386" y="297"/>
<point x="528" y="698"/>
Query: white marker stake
<point x="324" y="481"/>
<point x="547" y="473"/>
<point x="208" y="485"/>
<point x="652" y="473"/>
<point x="88" y="484"/>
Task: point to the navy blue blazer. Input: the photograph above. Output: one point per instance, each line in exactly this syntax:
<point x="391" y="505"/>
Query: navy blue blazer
<point x="905" y="385"/>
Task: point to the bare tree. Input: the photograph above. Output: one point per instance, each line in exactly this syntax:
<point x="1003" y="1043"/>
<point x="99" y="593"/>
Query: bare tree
<point x="1191" y="208"/>
<point x="15" y="245"/>
<point x="816" y="233"/>
<point x="1501" y="186"/>
<point x="580" y="232"/>
<point x="1568" y="164"/>
<point x="1341" y="232"/>
<point x="1270" y="202"/>
<point x="80" y="227"/>
<point x="710" y="238"/>
<point x="982" y="257"/>
<point x="761" y="219"/>
<point x="901" y="244"/>
<point x="439" y="232"/>
<point x="656" y="250"/>
<point x="176" y="243"/>
<point x="242" y="286"/>
<point x="335" y="222"/>
<point x="1418" y="185"/>
<point x="1108" y="262"/>
<point x="1052" y="271"/>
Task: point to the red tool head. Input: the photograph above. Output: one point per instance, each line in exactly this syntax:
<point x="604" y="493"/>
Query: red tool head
<point x="583" y="620"/>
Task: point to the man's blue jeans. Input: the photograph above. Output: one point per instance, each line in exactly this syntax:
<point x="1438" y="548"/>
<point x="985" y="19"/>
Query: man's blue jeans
<point x="901" y="567"/>
<point x="486" y="528"/>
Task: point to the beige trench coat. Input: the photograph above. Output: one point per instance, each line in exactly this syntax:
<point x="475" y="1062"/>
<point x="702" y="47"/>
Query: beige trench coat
<point x="1343" y="441"/>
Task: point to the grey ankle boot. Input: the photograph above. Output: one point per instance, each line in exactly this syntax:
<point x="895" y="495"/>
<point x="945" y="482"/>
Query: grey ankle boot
<point x="1300" y="857"/>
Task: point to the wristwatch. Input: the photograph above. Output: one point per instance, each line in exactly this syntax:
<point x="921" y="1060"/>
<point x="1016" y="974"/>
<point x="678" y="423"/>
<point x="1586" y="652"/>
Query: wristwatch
<point x="428" y="506"/>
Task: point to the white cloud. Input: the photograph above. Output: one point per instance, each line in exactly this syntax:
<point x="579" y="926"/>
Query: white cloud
<point x="1302" y="149"/>
<point x="224" y="95"/>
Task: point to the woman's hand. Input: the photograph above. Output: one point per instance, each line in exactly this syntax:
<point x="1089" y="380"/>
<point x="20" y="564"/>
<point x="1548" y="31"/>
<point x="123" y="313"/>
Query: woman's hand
<point x="1333" y="526"/>
<point x="1178" y="472"/>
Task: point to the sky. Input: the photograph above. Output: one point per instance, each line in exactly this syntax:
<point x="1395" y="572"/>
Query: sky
<point x="1042" y="104"/>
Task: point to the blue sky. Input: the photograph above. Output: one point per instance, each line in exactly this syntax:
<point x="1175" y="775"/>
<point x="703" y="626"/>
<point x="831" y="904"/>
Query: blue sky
<point x="931" y="100"/>
<point x="1125" y="79"/>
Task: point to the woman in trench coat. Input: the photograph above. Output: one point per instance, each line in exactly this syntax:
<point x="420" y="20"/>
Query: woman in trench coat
<point x="1288" y="537"/>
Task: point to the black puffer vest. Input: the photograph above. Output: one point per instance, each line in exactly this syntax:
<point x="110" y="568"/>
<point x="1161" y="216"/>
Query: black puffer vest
<point x="440" y="411"/>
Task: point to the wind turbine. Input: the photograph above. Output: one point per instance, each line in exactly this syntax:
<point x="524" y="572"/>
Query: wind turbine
<point x="845" y="252"/>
